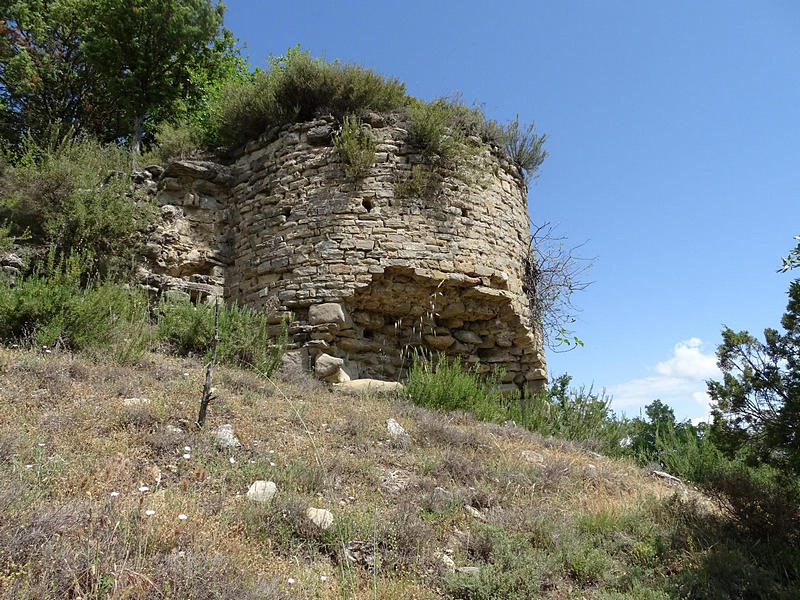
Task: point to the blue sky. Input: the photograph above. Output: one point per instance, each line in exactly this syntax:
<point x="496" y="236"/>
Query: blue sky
<point x="673" y="137"/>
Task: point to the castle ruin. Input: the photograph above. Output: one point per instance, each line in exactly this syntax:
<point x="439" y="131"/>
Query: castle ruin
<point x="370" y="269"/>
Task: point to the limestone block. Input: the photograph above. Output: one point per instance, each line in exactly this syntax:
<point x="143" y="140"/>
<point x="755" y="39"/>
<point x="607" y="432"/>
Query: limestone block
<point x="320" y="517"/>
<point x="468" y="337"/>
<point x="329" y="312"/>
<point x="360" y="386"/>
<point x="262" y="491"/>
<point x="327" y="365"/>
<point x="439" y="342"/>
<point x="319" y="135"/>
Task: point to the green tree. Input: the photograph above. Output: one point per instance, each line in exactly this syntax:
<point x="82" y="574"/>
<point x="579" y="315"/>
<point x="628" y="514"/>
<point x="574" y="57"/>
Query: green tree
<point x="45" y="83"/>
<point x="757" y="405"/>
<point x="660" y="437"/>
<point x="793" y="260"/>
<point x="144" y="50"/>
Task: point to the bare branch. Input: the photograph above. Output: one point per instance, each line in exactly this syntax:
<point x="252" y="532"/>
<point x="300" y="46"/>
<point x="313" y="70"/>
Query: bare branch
<point x="208" y="390"/>
<point x="553" y="273"/>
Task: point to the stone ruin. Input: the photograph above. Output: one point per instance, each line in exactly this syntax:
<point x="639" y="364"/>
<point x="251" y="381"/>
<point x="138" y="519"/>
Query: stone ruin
<point x="370" y="270"/>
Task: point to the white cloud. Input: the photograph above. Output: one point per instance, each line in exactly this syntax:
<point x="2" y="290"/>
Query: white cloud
<point x="689" y="362"/>
<point x="678" y="381"/>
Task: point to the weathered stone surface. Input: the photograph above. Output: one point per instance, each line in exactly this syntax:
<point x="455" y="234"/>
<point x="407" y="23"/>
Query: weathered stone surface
<point x="11" y="260"/>
<point x="320" y="517"/>
<point x="468" y="337"/>
<point x="532" y="456"/>
<point x="439" y="342"/>
<point x="225" y="439"/>
<point x="135" y="402"/>
<point x="394" y="428"/>
<point x="360" y="552"/>
<point x="329" y="312"/>
<point x="446" y="562"/>
<point x="262" y="491"/>
<point x="292" y="363"/>
<point x="320" y="135"/>
<point x="327" y="365"/>
<point x="376" y="386"/>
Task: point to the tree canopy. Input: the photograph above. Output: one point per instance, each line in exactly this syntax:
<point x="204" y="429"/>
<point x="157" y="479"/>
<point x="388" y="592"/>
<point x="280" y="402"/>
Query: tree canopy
<point x="105" y="67"/>
<point x="758" y="402"/>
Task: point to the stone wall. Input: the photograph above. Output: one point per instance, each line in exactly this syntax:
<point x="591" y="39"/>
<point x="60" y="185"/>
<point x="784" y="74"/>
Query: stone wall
<point x="370" y="269"/>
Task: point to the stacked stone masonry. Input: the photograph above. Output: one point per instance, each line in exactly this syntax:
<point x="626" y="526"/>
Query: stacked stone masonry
<point x="370" y="270"/>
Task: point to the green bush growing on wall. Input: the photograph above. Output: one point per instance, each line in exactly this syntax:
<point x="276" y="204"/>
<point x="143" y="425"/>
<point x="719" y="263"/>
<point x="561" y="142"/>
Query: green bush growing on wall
<point x="297" y="87"/>
<point x="356" y="145"/>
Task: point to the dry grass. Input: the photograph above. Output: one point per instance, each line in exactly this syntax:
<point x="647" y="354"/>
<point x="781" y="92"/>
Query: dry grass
<point x="73" y="456"/>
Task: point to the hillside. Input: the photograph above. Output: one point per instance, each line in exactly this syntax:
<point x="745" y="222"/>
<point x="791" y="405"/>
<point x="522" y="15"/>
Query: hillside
<point x="104" y="496"/>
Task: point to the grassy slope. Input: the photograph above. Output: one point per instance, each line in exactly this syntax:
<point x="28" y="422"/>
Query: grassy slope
<point x="572" y="526"/>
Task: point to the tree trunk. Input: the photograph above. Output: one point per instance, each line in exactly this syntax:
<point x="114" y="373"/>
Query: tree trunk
<point x="136" y="140"/>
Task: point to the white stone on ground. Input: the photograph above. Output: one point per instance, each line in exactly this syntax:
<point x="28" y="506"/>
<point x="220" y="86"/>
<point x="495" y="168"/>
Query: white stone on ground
<point x="225" y="438"/>
<point x="262" y="491"/>
<point x="131" y="402"/>
<point x="395" y="429"/>
<point x="446" y="562"/>
<point x="532" y="456"/>
<point x="320" y="517"/>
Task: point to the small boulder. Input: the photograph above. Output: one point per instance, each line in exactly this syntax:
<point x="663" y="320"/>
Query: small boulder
<point x="468" y="337"/>
<point x="262" y="491"/>
<point x="327" y="365"/>
<point x="446" y="562"/>
<point x="320" y="135"/>
<point x="474" y="513"/>
<point x="439" y="342"/>
<point x="361" y="553"/>
<point x="12" y="260"/>
<point x="225" y="438"/>
<point x="472" y="571"/>
<point x="320" y="517"/>
<point x="394" y="428"/>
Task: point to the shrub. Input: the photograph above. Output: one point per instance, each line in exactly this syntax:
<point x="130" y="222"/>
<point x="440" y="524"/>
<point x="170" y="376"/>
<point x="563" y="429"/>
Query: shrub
<point x="512" y="569"/>
<point x="525" y="147"/>
<point x="576" y="415"/>
<point x="74" y="195"/>
<point x="356" y="145"/>
<point x="434" y="130"/>
<point x="445" y="384"/>
<point x="422" y="183"/>
<point x="296" y="87"/>
<point x="760" y="500"/>
<point x="173" y="141"/>
<point x="244" y="334"/>
<point x="7" y="240"/>
<point x="52" y="308"/>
